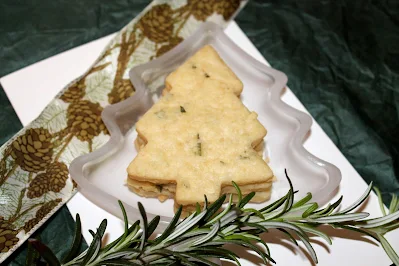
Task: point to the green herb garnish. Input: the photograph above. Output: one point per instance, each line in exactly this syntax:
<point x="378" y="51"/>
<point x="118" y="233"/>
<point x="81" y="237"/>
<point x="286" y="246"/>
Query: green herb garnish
<point x="199" y="146"/>
<point x="203" y="234"/>
<point x="159" y="187"/>
<point x="182" y="110"/>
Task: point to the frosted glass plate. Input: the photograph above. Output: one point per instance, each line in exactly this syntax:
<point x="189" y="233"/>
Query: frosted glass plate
<point x="101" y="175"/>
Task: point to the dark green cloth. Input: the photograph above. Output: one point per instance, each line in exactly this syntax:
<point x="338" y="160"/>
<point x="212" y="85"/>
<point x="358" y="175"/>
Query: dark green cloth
<point x="341" y="58"/>
<point x="342" y="62"/>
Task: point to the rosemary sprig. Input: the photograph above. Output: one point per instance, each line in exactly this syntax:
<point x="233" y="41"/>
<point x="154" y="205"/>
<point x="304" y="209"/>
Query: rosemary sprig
<point x="202" y="236"/>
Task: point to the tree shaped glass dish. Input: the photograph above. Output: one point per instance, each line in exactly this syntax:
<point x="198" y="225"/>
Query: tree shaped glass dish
<point x="101" y="175"/>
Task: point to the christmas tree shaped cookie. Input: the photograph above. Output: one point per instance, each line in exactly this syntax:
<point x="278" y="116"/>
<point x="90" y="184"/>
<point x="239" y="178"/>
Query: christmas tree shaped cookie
<point x="199" y="137"/>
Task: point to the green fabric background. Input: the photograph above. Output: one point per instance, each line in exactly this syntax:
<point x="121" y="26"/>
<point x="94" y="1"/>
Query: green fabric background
<point x="341" y="57"/>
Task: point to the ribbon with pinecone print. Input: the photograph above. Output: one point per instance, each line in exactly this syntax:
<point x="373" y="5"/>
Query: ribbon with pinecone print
<point x="34" y="177"/>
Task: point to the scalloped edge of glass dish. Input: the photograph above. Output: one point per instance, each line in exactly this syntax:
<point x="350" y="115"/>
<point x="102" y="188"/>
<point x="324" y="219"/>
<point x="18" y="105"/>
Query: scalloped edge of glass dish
<point x="140" y="103"/>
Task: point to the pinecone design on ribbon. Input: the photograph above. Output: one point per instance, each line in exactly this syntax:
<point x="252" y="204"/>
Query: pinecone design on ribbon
<point x="75" y="92"/>
<point x="167" y="47"/>
<point x="226" y="8"/>
<point x="58" y="174"/>
<point x="30" y="224"/>
<point x="6" y="224"/>
<point x="122" y="90"/>
<point x="38" y="186"/>
<point x="47" y="208"/>
<point x="201" y="9"/>
<point x="8" y="236"/>
<point x="3" y="167"/>
<point x="157" y="24"/>
<point x="84" y="120"/>
<point x="54" y="179"/>
<point x="33" y="150"/>
<point x="40" y="214"/>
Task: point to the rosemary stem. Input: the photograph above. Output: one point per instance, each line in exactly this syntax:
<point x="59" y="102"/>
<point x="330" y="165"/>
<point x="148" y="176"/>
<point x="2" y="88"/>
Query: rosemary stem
<point x="203" y="234"/>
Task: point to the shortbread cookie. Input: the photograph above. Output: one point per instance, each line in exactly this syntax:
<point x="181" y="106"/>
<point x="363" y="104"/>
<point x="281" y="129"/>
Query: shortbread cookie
<point x="199" y="137"/>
